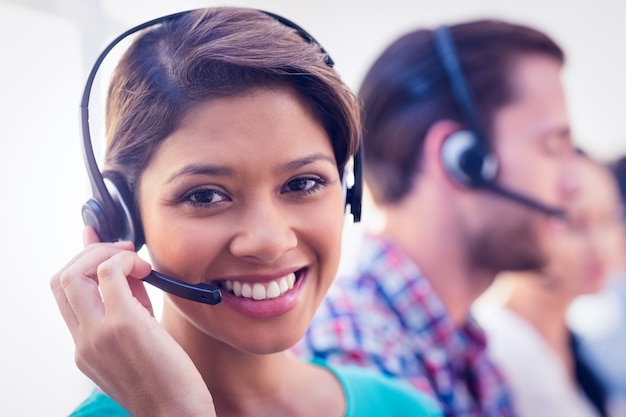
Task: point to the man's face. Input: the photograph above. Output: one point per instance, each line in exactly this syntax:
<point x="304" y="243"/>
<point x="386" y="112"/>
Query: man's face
<point x="531" y="137"/>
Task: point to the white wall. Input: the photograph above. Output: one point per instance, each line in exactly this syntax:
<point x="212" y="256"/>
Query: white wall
<point x="43" y="180"/>
<point x="40" y="227"/>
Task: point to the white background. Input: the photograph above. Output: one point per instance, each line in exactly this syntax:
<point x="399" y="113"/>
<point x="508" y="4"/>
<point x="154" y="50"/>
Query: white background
<point x="46" y="47"/>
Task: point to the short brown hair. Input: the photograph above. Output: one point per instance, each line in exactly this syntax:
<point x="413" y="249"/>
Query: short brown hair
<point x="407" y="90"/>
<point x="213" y="53"/>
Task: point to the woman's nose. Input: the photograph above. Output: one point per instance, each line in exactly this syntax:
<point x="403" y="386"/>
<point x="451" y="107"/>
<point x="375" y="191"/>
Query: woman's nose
<point x="570" y="178"/>
<point x="264" y="233"/>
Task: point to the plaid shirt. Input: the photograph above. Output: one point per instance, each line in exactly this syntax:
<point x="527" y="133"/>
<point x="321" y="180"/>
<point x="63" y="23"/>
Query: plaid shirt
<point x="387" y="316"/>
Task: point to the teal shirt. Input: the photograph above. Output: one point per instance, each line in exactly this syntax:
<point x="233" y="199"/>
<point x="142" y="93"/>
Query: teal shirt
<point x="368" y="394"/>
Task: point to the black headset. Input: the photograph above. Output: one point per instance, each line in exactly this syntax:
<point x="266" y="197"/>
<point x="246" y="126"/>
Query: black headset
<point x="466" y="154"/>
<point x="111" y="209"/>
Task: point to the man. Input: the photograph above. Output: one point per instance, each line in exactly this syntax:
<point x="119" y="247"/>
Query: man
<point x="404" y="307"/>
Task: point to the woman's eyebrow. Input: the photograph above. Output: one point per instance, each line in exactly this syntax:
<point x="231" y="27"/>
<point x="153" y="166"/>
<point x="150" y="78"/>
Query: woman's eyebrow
<point x="218" y="170"/>
<point x="309" y="159"/>
<point x="200" y="169"/>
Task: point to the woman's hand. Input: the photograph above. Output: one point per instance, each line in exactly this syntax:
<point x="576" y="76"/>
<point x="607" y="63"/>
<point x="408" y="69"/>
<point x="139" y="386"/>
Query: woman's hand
<point x="119" y="344"/>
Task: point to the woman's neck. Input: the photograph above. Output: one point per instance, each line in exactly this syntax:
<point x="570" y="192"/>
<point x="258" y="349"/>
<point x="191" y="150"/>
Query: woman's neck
<point x="245" y="384"/>
<point x="546" y="311"/>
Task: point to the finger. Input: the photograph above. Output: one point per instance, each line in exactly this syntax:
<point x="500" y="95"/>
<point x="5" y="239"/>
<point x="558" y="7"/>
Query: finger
<point x="64" y="306"/>
<point x="118" y="294"/>
<point x="96" y="247"/>
<point x="59" y="294"/>
<point x="79" y="281"/>
<point x="89" y="236"/>
<point x="139" y="291"/>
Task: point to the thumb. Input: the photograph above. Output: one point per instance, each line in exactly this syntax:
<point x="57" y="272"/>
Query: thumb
<point x="89" y="236"/>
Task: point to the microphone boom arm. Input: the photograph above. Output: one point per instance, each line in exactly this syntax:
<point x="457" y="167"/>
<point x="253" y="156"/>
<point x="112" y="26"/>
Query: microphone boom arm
<point x="528" y="202"/>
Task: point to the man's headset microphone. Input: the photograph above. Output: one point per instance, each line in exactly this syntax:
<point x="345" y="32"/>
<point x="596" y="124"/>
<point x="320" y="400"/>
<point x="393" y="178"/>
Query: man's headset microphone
<point x="111" y="209"/>
<point x="466" y="154"/>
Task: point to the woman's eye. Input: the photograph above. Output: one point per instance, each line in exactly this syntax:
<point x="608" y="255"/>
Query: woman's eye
<point x="204" y="197"/>
<point x="304" y="185"/>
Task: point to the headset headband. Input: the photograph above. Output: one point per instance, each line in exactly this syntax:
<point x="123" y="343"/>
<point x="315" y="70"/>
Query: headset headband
<point x="449" y="58"/>
<point x="98" y="186"/>
<point x="101" y="194"/>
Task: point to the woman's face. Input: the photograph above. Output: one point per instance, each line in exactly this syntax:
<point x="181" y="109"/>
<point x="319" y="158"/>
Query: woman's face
<point x="246" y="196"/>
<point x="580" y="251"/>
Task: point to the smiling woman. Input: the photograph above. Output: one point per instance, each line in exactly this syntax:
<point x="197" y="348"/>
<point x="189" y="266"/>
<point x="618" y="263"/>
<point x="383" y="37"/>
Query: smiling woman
<point x="230" y="131"/>
<point x="269" y="212"/>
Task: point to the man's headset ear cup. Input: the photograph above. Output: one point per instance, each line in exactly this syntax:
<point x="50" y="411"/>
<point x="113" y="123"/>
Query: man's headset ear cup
<point x="120" y="224"/>
<point x="467" y="160"/>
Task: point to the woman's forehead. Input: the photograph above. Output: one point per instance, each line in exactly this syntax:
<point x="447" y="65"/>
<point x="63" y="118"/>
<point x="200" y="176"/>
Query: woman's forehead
<point x="264" y="124"/>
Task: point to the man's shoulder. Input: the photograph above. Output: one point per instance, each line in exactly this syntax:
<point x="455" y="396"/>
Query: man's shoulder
<point x="373" y="305"/>
<point x="379" y="268"/>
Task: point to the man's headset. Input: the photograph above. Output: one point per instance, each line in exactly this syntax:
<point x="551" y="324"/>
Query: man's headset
<point x="466" y="154"/>
<point x="111" y="209"/>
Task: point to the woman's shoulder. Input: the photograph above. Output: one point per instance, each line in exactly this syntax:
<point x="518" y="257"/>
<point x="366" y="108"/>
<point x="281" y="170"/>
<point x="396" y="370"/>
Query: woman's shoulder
<point x="99" y="404"/>
<point x="371" y="393"/>
<point x="368" y="393"/>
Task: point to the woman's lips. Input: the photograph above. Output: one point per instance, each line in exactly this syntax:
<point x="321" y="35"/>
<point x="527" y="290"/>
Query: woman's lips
<point x="259" y="299"/>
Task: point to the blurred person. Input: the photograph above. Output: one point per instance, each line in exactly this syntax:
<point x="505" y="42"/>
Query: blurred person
<point x="600" y="319"/>
<point x="525" y="313"/>
<point x="228" y="131"/>
<point x="468" y="153"/>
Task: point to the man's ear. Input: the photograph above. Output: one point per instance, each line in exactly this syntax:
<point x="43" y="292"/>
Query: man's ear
<point x="433" y="143"/>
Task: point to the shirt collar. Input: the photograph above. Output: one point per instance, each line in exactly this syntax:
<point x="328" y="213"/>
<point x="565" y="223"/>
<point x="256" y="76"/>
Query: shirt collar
<point x="402" y="284"/>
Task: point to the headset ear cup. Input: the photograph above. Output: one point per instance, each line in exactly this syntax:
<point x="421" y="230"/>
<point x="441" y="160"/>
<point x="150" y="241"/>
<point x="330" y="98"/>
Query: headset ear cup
<point x="467" y="160"/>
<point x="130" y="225"/>
<point x="353" y="195"/>
<point x="94" y="215"/>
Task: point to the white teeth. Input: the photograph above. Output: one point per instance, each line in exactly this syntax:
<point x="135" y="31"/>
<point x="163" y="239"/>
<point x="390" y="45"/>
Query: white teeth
<point x="258" y="291"/>
<point x="282" y="285"/>
<point x="273" y="290"/>
<point x="236" y="288"/>
<point x="246" y="290"/>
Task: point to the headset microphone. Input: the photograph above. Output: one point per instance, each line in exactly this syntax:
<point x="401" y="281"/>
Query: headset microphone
<point x="524" y="200"/>
<point x="202" y="293"/>
<point x="465" y="154"/>
<point x="111" y="211"/>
